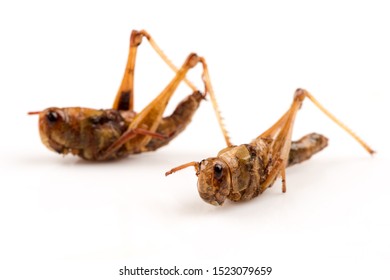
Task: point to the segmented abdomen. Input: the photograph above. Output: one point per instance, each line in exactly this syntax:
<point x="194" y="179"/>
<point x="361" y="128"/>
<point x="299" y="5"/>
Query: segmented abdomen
<point x="251" y="164"/>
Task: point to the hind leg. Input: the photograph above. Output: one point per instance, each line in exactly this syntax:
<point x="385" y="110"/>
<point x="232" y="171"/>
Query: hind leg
<point x="124" y="99"/>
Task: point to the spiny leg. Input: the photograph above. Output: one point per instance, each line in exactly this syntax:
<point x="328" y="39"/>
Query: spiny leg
<point x="206" y="80"/>
<point x="300" y="95"/>
<point x="209" y="89"/>
<point x="288" y="118"/>
<point x="338" y="122"/>
<point x="281" y="132"/>
<point x="124" y="99"/>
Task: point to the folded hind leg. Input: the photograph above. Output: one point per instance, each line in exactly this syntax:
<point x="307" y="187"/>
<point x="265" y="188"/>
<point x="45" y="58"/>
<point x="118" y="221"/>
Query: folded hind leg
<point x="124" y="99"/>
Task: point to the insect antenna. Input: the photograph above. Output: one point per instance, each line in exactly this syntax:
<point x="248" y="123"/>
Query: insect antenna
<point x="34" y="113"/>
<point x="195" y="164"/>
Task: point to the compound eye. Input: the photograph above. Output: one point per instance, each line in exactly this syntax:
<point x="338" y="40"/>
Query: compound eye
<point x="52" y="116"/>
<point x="218" y="171"/>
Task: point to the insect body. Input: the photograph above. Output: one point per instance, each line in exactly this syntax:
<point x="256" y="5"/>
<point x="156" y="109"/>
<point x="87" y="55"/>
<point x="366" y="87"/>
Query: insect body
<point x="117" y="132"/>
<point x="240" y="173"/>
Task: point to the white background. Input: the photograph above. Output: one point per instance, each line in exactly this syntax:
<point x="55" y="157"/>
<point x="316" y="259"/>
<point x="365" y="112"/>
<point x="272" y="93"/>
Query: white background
<point x="63" y="218"/>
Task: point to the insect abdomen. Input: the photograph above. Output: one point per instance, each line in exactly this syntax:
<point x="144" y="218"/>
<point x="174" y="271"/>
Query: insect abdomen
<point x="305" y="147"/>
<point x="249" y="163"/>
<point x="172" y="125"/>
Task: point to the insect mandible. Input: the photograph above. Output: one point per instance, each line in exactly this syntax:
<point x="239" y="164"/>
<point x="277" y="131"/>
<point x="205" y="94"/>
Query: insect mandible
<point x="240" y="173"/>
<point x="114" y="133"/>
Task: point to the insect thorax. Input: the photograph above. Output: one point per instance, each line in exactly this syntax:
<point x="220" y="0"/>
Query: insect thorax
<point x="247" y="165"/>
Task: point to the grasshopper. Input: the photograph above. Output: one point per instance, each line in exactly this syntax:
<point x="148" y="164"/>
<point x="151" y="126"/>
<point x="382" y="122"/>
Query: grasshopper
<point x="99" y="135"/>
<point x="240" y="173"/>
